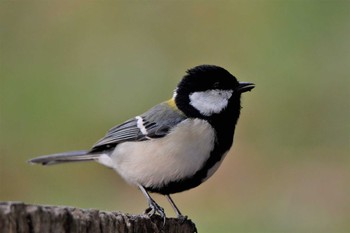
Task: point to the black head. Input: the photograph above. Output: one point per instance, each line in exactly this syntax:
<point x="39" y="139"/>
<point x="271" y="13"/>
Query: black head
<point x="209" y="91"/>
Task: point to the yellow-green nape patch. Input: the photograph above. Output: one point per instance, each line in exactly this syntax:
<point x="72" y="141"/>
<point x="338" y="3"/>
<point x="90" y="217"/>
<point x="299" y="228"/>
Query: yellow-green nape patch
<point x="172" y="103"/>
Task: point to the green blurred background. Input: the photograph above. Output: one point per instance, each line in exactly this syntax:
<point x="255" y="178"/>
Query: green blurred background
<point x="70" y="70"/>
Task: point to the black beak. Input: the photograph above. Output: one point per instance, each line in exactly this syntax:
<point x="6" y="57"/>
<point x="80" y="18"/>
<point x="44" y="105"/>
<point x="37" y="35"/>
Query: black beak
<point x="244" y="86"/>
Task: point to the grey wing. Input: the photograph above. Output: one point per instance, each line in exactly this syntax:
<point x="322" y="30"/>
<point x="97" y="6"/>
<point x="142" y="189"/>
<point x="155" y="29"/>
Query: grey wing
<point x="155" y="123"/>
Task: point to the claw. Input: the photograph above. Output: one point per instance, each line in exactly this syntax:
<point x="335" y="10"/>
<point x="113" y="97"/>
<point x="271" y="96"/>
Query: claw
<point x="148" y="210"/>
<point x="182" y="218"/>
<point x="153" y="206"/>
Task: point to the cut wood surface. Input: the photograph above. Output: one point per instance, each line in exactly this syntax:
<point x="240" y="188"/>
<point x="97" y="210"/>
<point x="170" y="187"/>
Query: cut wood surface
<point x="17" y="217"/>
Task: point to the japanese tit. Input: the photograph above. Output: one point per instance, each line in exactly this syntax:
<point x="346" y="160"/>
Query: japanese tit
<point x="177" y="144"/>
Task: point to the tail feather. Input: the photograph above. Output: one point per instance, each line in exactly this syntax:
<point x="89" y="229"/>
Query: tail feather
<point x="71" y="156"/>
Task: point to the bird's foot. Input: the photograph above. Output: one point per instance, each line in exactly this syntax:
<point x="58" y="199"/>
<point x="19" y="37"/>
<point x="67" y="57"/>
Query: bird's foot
<point x="155" y="208"/>
<point x="182" y="218"/>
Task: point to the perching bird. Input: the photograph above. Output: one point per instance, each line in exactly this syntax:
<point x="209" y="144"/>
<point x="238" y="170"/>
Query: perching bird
<point x="177" y="144"/>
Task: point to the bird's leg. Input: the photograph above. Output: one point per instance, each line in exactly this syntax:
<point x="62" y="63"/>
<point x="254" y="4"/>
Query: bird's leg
<point x="153" y="206"/>
<point x="177" y="211"/>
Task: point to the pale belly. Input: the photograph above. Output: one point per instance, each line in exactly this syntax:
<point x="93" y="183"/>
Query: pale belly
<point x="176" y="156"/>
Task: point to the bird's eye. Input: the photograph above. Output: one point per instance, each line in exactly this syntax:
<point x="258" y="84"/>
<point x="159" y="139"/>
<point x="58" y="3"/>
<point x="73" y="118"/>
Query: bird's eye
<point x="216" y="85"/>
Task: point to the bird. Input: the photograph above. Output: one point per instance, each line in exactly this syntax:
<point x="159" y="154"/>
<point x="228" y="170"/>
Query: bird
<point x="175" y="145"/>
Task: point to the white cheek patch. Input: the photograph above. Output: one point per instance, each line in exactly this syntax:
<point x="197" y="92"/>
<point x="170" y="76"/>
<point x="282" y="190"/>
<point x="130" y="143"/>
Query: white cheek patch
<point x="211" y="101"/>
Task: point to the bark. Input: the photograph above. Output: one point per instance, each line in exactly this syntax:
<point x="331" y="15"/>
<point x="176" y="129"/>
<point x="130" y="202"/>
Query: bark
<point x="16" y="217"/>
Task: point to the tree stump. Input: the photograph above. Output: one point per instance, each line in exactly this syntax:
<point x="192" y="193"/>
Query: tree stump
<point x="17" y="217"/>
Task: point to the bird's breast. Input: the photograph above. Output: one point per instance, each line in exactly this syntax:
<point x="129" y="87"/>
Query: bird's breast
<point x="178" y="155"/>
